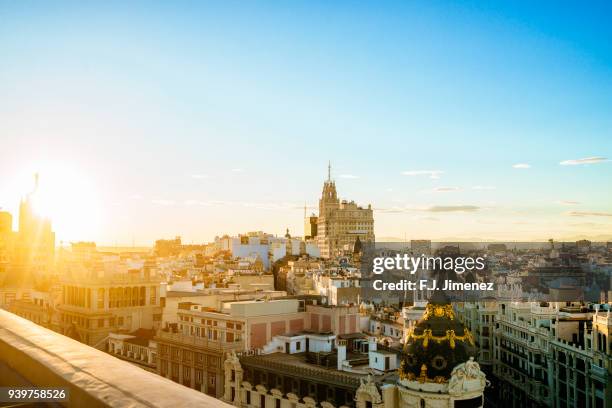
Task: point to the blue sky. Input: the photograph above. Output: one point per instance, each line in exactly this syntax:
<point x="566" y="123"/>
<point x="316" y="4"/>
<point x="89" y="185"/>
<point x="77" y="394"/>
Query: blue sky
<point x="198" y="119"/>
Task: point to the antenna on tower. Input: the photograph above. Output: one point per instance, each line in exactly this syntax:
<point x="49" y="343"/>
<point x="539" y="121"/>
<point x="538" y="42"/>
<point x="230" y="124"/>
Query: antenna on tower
<point x="329" y="170"/>
<point x="304" y="209"/>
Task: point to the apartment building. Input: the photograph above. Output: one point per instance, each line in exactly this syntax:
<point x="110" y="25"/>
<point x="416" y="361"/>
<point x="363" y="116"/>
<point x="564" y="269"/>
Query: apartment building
<point x="137" y="347"/>
<point x="191" y="352"/>
<point x="544" y="354"/>
<point x="92" y="307"/>
<point x="522" y="354"/>
<point x="479" y="318"/>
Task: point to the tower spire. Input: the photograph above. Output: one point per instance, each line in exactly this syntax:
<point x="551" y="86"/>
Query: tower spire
<point x="329" y="170"/>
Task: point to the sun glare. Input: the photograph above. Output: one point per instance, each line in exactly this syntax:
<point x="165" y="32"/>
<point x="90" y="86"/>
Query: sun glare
<point x="67" y="198"/>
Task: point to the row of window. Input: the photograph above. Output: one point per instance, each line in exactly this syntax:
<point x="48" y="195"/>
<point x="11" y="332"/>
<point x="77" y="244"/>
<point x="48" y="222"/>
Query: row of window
<point x="176" y="353"/>
<point x="175" y="369"/>
<point x="93" y="323"/>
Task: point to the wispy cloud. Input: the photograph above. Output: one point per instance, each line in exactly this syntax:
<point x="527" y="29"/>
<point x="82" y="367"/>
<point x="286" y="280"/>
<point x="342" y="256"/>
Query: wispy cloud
<point x="191" y="203"/>
<point x="446" y="189"/>
<point x="521" y="166"/>
<point x="433" y="174"/>
<point x="589" y="214"/>
<point x="135" y="197"/>
<point x="163" y="202"/>
<point x="392" y="210"/>
<point x="586" y="160"/>
<point x="453" y="208"/>
<point x="429" y="219"/>
<point x="200" y="176"/>
<point x="483" y="188"/>
<point x="348" y="176"/>
<point x="432" y="209"/>
<point x="237" y="170"/>
<point x="568" y="202"/>
<point x="590" y="225"/>
<point x="271" y="205"/>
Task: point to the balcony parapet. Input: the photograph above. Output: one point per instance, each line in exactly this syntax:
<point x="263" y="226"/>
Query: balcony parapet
<point x="32" y="356"/>
<point x="598" y="371"/>
<point x="186" y="340"/>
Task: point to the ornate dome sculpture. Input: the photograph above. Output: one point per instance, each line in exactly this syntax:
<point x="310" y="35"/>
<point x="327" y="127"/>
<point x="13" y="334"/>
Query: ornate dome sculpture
<point x="436" y="344"/>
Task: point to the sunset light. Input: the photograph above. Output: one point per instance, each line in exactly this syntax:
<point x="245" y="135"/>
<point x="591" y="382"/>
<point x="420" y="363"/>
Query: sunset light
<point x="63" y="195"/>
<point x="306" y="204"/>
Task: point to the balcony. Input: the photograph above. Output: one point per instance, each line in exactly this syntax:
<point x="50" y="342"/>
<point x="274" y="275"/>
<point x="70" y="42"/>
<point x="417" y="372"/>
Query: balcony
<point x="598" y="371"/>
<point x="32" y="356"/>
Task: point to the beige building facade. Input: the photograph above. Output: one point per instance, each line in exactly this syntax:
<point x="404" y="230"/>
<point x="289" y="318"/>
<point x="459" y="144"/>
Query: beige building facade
<point x="341" y="223"/>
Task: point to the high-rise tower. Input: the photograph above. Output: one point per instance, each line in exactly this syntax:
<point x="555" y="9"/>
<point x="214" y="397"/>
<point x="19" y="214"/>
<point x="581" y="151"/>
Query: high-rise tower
<point x="35" y="239"/>
<point x="340" y="223"/>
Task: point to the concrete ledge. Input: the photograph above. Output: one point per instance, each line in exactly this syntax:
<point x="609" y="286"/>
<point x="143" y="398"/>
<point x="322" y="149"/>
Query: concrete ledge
<point x="33" y="355"/>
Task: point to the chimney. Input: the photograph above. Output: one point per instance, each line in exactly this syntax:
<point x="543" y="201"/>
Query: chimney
<point x="341" y="353"/>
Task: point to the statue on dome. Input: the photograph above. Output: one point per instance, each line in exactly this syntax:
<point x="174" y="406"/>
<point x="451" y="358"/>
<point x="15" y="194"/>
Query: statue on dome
<point x="463" y="376"/>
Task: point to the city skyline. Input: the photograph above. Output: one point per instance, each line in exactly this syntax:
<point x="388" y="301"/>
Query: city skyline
<point x="221" y="118"/>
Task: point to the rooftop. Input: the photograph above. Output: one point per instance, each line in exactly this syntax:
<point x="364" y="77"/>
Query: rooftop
<point x="31" y="355"/>
<point x="297" y="363"/>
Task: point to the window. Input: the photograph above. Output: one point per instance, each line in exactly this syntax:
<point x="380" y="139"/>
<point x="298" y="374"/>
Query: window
<point x="101" y="298"/>
<point x="153" y="293"/>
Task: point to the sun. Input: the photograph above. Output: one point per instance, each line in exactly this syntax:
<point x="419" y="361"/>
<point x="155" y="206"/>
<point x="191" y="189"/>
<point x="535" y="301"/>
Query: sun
<point x="68" y="198"/>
